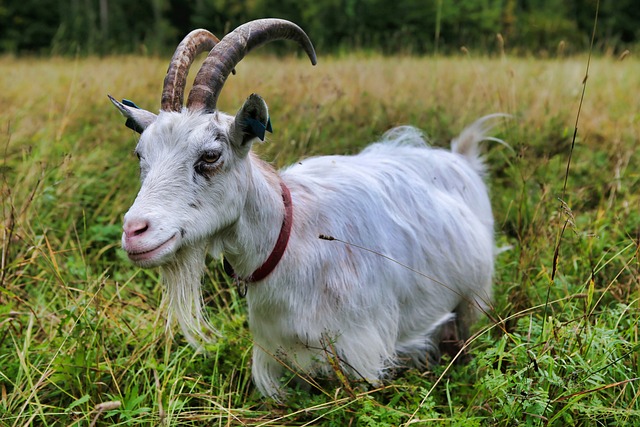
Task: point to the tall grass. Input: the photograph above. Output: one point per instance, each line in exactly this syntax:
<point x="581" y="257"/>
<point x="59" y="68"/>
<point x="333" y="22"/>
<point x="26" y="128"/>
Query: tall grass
<point x="82" y="339"/>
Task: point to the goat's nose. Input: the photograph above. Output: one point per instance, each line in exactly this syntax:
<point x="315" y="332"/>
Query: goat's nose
<point x="135" y="227"/>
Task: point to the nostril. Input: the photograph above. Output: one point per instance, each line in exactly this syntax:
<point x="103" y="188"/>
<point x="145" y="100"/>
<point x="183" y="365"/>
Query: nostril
<point x="134" y="228"/>
<point x="141" y="230"/>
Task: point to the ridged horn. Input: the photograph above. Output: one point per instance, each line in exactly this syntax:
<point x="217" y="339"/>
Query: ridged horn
<point x="194" y="43"/>
<point x="232" y="48"/>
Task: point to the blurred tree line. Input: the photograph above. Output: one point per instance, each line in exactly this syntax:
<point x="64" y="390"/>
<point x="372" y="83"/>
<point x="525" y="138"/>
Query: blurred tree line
<point x="411" y="26"/>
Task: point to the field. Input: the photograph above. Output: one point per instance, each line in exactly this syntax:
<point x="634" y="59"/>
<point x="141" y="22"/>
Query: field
<point x="82" y="331"/>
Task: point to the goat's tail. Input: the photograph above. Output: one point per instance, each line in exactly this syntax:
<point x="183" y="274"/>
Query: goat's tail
<point x="468" y="142"/>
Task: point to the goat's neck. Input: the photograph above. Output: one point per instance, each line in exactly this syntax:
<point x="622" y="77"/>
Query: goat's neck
<point x="254" y="235"/>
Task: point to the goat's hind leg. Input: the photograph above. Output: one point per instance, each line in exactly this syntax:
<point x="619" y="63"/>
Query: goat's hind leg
<point x="455" y="332"/>
<point x="450" y="342"/>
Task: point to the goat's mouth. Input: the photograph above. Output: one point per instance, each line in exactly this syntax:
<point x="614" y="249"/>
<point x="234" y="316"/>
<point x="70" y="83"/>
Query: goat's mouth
<point x="154" y="256"/>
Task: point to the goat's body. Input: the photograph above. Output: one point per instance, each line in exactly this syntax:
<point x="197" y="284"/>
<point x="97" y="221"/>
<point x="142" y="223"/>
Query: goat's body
<point x="426" y="208"/>
<point x="417" y="221"/>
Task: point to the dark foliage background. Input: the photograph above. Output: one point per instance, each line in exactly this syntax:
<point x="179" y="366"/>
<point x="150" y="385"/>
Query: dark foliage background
<point x="540" y="27"/>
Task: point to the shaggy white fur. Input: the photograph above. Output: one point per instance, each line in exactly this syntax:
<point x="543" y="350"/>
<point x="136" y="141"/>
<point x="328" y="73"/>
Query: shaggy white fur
<point x="327" y="305"/>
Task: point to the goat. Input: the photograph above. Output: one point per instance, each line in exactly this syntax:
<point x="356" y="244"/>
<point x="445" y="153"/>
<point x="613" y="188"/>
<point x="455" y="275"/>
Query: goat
<point x="309" y="242"/>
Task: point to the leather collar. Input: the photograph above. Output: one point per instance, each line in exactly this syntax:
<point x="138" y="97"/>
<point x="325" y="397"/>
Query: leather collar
<point x="278" y="250"/>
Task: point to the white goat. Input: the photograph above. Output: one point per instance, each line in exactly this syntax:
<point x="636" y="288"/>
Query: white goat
<point x="314" y="305"/>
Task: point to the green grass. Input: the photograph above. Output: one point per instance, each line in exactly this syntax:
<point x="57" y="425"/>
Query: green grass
<point x="82" y="331"/>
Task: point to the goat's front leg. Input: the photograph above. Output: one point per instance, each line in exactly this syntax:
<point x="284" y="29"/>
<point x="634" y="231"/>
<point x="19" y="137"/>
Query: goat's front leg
<point x="267" y="372"/>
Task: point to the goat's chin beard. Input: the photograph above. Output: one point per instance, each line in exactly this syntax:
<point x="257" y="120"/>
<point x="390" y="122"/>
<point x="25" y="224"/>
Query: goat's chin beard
<point x="182" y="276"/>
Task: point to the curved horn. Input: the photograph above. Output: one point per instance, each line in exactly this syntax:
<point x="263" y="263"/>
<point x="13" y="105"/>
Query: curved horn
<point x="232" y="48"/>
<point x="194" y="43"/>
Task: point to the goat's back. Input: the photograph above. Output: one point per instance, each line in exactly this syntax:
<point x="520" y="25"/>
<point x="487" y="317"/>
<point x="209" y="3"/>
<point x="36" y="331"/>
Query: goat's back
<point x="401" y="167"/>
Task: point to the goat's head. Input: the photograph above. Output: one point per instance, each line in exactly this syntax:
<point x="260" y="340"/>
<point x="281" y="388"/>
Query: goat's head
<point x="194" y="160"/>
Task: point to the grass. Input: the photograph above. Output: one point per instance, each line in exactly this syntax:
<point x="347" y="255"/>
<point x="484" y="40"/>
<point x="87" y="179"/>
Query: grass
<point x="82" y="335"/>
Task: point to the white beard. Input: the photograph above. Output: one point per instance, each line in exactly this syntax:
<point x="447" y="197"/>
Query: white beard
<point x="182" y="278"/>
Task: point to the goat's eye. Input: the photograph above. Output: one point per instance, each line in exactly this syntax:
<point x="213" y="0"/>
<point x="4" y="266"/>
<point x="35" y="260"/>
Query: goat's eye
<point x="208" y="162"/>
<point x="210" y="156"/>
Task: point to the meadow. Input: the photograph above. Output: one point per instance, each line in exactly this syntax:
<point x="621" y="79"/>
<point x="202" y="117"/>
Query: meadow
<point x="82" y="331"/>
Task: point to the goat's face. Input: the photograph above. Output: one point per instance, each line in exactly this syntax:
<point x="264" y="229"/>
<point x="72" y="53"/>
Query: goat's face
<point x="194" y="172"/>
<point x="193" y="161"/>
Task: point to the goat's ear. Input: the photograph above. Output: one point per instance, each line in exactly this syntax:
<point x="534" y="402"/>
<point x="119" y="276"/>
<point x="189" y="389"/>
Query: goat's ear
<point x="252" y="121"/>
<point x="137" y="118"/>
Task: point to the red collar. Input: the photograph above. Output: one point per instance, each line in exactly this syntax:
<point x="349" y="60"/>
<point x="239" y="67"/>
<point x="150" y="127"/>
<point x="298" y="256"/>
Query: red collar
<point x="278" y="250"/>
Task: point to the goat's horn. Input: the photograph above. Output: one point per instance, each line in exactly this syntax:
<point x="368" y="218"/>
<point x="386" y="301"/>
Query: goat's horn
<point x="196" y="42"/>
<point x="232" y="48"/>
